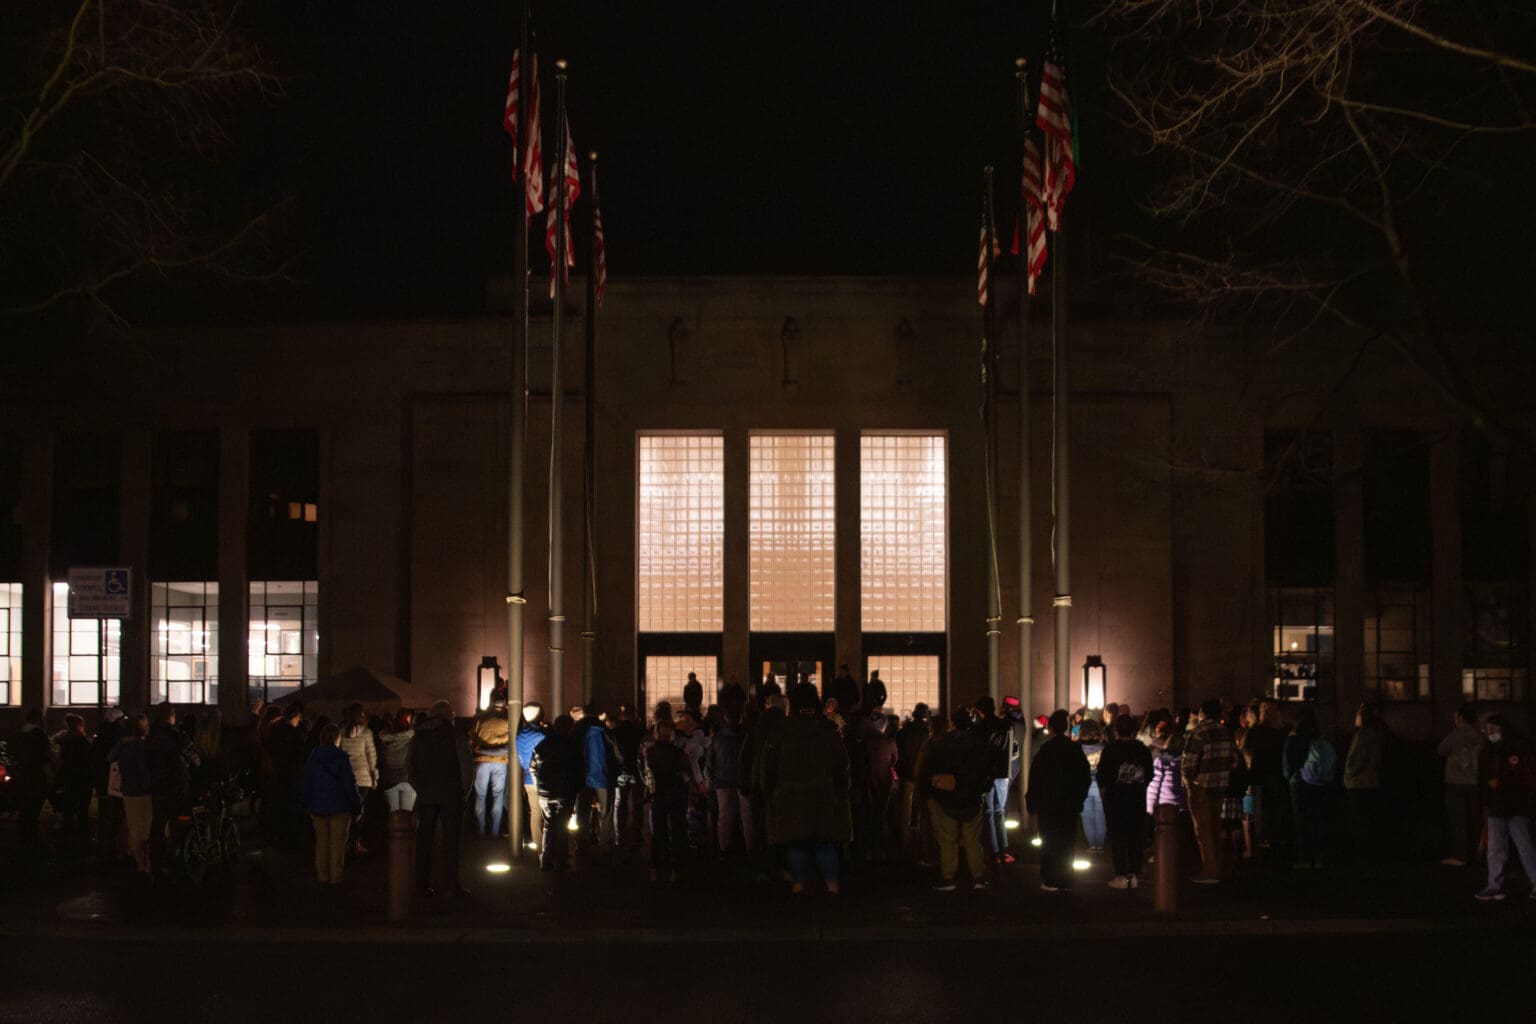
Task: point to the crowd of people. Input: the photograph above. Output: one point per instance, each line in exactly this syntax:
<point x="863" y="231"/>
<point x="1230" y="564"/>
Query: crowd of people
<point x="803" y="784"/>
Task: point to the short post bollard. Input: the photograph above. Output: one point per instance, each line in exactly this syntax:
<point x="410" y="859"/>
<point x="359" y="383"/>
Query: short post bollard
<point x="401" y="838"/>
<point x="1165" y="847"/>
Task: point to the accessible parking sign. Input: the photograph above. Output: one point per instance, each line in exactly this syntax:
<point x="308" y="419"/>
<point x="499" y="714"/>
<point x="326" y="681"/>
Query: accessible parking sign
<point x="100" y="593"/>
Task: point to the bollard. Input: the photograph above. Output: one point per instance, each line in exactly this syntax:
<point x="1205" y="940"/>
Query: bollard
<point x="1165" y="847"/>
<point x="400" y="835"/>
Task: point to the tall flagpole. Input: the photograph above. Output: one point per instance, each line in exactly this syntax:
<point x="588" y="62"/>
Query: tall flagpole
<point x="517" y="399"/>
<point x="1060" y="494"/>
<point x="1026" y="551"/>
<point x="589" y="468"/>
<point x="556" y="418"/>
<point x="989" y="419"/>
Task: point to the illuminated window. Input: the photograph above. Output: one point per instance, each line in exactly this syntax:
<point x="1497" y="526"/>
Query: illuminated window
<point x="792" y="532"/>
<point x="1397" y="642"/>
<point x="902" y="533"/>
<point x="665" y="676"/>
<point x="87" y="656"/>
<point x="10" y="643"/>
<point x="184" y="642"/>
<point x="1494" y="655"/>
<point x="909" y="680"/>
<point x="681" y="556"/>
<point x="1301" y="622"/>
<point x="284" y="636"/>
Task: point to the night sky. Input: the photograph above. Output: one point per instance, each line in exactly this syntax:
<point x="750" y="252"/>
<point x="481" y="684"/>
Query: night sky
<point x="735" y="138"/>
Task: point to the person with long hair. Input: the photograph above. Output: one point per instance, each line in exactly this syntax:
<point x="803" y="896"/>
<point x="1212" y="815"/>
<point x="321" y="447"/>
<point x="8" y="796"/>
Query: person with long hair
<point x="1090" y="737"/>
<point x="1309" y="763"/>
<point x="1363" y="772"/>
<point x="357" y="743"/>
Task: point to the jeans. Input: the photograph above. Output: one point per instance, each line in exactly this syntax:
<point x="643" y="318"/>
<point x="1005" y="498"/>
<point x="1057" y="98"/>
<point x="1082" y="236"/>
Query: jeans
<point x="994" y="818"/>
<point x="400" y="797"/>
<point x="954" y="837"/>
<point x="452" y="817"/>
<point x="1464" y="811"/>
<point x="593" y="807"/>
<point x="735" y="808"/>
<point x="555" y="846"/>
<point x="1094" y="826"/>
<point x="1500" y="832"/>
<point x="1127" y="820"/>
<point x="1058" y="837"/>
<point x="803" y="852"/>
<point x="667" y="831"/>
<point x="490" y="779"/>
<point x="535" y="816"/>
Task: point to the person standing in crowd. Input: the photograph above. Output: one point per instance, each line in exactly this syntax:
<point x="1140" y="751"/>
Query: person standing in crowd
<point x="171" y="758"/>
<point x="1363" y="776"/>
<point x="1090" y="737"/>
<point x="1308" y="762"/>
<point x="284" y="749"/>
<point x="723" y="771"/>
<point x="1125" y="769"/>
<point x="442" y="771"/>
<point x="805" y="781"/>
<point x="875" y="694"/>
<point x="394" y="758"/>
<point x="629" y="785"/>
<point x="75" y="778"/>
<point x="957" y="781"/>
<point x="909" y="740"/>
<point x="356" y="741"/>
<point x="695" y="744"/>
<point x="593" y="804"/>
<point x="530" y="733"/>
<point x="34" y="770"/>
<point x="489" y="744"/>
<point x="927" y="845"/>
<point x="994" y="813"/>
<point x="1262" y="748"/>
<point x="133" y="776"/>
<point x="1058" y="785"/>
<point x="1462" y="748"/>
<point x="845" y="690"/>
<point x="329" y="794"/>
<point x="1507" y="776"/>
<point x="1207" y="763"/>
<point x="557" y="764"/>
<point x="693" y="696"/>
<point x="880" y="757"/>
<point x="109" y="804"/>
<point x="664" y="768"/>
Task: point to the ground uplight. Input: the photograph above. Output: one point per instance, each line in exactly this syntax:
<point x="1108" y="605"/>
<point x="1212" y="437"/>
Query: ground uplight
<point x="1081" y="865"/>
<point x="1010" y="823"/>
<point x="499" y="868"/>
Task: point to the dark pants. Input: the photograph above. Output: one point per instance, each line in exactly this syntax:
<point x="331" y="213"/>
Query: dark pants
<point x="1310" y="809"/>
<point x="452" y="817"/>
<point x="628" y="802"/>
<point x="1365" y="823"/>
<point x="163" y="811"/>
<point x="668" y="831"/>
<point x="1126" y="815"/>
<point x="75" y="808"/>
<point x="1058" y="838"/>
<point x="29" y="811"/>
<point x="1464" y="811"/>
<point x="878" y="815"/>
<point x="594" y="811"/>
<point x="555" y="847"/>
<point x="109" y="827"/>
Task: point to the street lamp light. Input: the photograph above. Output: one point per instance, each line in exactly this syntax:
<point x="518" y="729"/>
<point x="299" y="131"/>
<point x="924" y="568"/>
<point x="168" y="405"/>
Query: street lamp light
<point x="1094" y="681"/>
<point x="489" y="674"/>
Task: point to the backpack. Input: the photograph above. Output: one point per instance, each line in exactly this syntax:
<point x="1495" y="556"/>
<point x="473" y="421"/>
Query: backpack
<point x="1002" y="736"/>
<point x="1322" y="761"/>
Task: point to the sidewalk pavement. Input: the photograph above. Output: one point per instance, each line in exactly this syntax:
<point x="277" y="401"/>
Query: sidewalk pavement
<point x="273" y="897"/>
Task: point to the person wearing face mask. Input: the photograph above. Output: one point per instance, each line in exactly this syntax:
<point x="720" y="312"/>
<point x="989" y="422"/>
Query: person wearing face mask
<point x="1507" y="777"/>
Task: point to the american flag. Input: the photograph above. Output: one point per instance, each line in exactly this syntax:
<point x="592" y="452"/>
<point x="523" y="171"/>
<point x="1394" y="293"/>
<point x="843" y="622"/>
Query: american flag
<point x="1034" y="211"/>
<point x="983" y="261"/>
<point x="1055" y="118"/>
<point x="533" y="153"/>
<point x="570" y="178"/>
<point x="599" y="248"/>
<point x="509" y="117"/>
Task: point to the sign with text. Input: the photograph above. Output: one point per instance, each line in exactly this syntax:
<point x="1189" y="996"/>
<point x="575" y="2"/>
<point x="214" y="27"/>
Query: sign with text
<point x="100" y="593"/>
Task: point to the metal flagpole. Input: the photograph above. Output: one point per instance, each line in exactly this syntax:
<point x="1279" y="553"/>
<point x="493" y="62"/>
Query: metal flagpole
<point x="589" y="469"/>
<point x="517" y="400"/>
<point x="556" y="417"/>
<point x="989" y="419"/>
<point x="1060" y="478"/>
<point x="1026" y="551"/>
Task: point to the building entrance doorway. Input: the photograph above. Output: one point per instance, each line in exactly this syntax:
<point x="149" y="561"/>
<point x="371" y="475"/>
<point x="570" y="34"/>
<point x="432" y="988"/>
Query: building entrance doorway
<point x="792" y="658"/>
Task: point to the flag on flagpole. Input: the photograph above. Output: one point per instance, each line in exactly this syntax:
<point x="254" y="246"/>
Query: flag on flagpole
<point x="568" y="179"/>
<point x="1055" y="118"/>
<point x="983" y="262"/>
<point x="509" y="116"/>
<point x="599" y="247"/>
<point x="533" y="151"/>
<point x="1034" y="212"/>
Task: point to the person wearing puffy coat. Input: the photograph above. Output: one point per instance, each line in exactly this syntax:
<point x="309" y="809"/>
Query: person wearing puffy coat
<point x="358" y="744"/>
<point x="329" y="795"/>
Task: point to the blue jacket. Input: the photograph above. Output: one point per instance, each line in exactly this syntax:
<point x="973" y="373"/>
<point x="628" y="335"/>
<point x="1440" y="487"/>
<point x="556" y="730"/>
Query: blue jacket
<point x="329" y="787"/>
<point x="594" y="747"/>
<point x="528" y="737"/>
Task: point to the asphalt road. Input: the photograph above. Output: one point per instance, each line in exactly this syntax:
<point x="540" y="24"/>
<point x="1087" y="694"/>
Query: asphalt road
<point x="1422" y="976"/>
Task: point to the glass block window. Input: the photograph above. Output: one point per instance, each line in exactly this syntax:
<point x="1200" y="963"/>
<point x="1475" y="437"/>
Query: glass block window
<point x="1397" y="639"/>
<point x="910" y="679"/>
<point x="792" y="532"/>
<point x="284" y="639"/>
<point x="1301" y="623"/>
<point x="666" y="674"/>
<point x="1495" y="654"/>
<point x="10" y="643"/>
<point x="902" y="533"/>
<point x="87" y="657"/>
<point x="681" y="549"/>
<point x="184" y="642"/>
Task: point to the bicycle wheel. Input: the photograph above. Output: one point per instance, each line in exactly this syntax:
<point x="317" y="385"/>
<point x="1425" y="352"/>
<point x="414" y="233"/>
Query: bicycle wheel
<point x="195" y="856"/>
<point x="229" y="844"/>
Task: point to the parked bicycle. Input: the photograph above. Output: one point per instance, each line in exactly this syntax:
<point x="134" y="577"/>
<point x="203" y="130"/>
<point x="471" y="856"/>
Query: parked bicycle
<point x="212" y="839"/>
